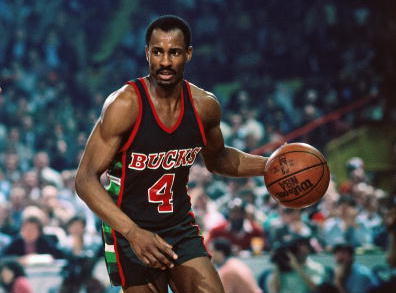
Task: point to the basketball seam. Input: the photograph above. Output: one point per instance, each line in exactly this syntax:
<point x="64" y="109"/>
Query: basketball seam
<point x="316" y="155"/>
<point x="294" y="173"/>
<point x="302" y="195"/>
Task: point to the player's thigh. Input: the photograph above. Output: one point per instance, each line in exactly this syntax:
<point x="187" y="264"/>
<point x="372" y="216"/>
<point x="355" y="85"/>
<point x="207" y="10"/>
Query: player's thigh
<point x="159" y="285"/>
<point x="196" y="275"/>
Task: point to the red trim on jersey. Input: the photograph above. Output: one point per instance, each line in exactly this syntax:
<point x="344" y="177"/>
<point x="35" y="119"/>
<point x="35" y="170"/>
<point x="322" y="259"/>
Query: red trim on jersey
<point x="159" y="122"/>
<point x="138" y="120"/>
<point x="120" y="270"/>
<point x="200" y="125"/>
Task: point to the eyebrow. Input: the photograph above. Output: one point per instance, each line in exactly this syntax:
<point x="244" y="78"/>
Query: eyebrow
<point x="170" y="49"/>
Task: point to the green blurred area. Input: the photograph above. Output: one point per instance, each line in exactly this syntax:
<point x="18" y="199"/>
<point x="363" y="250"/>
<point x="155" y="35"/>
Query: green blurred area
<point x="116" y="30"/>
<point x="375" y="145"/>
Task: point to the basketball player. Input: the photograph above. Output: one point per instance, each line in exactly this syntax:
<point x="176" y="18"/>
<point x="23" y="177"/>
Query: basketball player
<point x="149" y="134"/>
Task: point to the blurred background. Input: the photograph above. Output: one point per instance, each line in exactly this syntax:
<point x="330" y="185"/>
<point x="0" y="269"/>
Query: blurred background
<point x="320" y="72"/>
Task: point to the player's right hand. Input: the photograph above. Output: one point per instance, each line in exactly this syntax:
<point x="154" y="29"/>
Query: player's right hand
<point x="151" y="249"/>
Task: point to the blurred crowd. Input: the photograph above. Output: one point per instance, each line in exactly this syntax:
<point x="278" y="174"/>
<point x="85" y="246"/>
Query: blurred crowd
<point x="279" y="70"/>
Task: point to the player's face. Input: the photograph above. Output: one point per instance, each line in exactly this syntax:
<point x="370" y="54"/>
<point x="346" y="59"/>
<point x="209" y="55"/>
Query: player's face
<point x="167" y="55"/>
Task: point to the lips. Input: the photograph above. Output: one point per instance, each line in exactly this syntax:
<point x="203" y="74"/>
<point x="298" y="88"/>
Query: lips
<point x="166" y="73"/>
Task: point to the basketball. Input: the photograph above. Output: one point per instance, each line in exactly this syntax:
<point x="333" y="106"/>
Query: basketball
<point x="297" y="175"/>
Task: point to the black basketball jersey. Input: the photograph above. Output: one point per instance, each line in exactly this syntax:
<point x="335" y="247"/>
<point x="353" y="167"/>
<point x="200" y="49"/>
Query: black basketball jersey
<point x="148" y="177"/>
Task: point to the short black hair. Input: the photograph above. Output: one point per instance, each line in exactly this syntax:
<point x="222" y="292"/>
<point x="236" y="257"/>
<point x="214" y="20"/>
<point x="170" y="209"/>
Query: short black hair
<point x="14" y="266"/>
<point x="348" y="200"/>
<point x="17" y="269"/>
<point x="34" y="220"/>
<point x="168" y="23"/>
<point x="298" y="241"/>
<point x="224" y="245"/>
<point x="77" y="219"/>
<point x="344" y="246"/>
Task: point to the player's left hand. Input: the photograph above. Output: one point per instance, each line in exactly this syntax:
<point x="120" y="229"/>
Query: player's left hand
<point x="151" y="249"/>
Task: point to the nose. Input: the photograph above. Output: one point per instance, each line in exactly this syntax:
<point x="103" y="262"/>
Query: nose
<point x="165" y="60"/>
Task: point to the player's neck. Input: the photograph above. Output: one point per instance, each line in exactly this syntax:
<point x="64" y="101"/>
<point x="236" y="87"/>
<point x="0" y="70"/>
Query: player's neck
<point x="161" y="92"/>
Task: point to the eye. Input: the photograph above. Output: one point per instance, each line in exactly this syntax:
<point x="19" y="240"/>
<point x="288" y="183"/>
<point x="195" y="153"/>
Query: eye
<point x="175" y="52"/>
<point x="156" y="51"/>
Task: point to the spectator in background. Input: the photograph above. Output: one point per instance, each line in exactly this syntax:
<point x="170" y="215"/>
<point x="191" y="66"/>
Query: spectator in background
<point x="345" y="226"/>
<point x="15" y="145"/>
<point x="13" y="278"/>
<point x="238" y="229"/>
<point x="290" y="225"/>
<point x="12" y="172"/>
<point x="254" y="130"/>
<point x="55" y="234"/>
<point x="4" y="241"/>
<point x="235" y="275"/>
<point x="31" y="241"/>
<point x="205" y="209"/>
<point x="81" y="249"/>
<point x="356" y="174"/>
<point x="7" y="225"/>
<point x="389" y="285"/>
<point x="59" y="211"/>
<point x="5" y="186"/>
<point x="294" y="271"/>
<point x="78" y="241"/>
<point x="369" y="215"/>
<point x="46" y="175"/>
<point x="238" y="134"/>
<point x="67" y="195"/>
<point x="350" y="277"/>
<point x="5" y="238"/>
<point x="31" y="185"/>
<point x="18" y="202"/>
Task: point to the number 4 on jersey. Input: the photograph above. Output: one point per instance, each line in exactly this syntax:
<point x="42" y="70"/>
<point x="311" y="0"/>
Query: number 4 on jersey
<point x="161" y="192"/>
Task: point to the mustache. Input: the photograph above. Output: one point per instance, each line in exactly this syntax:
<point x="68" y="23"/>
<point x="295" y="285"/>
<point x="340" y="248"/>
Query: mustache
<point x="166" y="69"/>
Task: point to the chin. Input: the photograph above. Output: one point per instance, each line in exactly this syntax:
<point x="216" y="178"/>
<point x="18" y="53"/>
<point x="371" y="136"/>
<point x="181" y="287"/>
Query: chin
<point x="167" y="83"/>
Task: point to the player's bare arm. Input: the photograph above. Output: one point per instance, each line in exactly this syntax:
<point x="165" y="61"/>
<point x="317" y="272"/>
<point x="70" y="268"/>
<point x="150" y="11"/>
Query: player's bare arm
<point x="219" y="158"/>
<point x="119" y="114"/>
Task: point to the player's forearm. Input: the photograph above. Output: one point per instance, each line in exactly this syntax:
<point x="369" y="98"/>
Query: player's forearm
<point x="235" y="163"/>
<point x="95" y="196"/>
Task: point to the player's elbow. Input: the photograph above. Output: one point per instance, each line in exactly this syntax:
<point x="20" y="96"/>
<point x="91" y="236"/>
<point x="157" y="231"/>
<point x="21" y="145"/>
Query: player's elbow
<point x="78" y="182"/>
<point x="213" y="162"/>
<point x="211" y="167"/>
<point x="81" y="182"/>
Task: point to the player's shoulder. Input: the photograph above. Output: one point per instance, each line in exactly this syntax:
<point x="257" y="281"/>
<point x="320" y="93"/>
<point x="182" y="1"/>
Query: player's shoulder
<point x="123" y="100"/>
<point x="200" y="95"/>
<point x="206" y="103"/>
<point x="122" y="97"/>
<point x="121" y="108"/>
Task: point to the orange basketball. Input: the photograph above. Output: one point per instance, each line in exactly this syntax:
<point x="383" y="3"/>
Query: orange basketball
<point x="297" y="175"/>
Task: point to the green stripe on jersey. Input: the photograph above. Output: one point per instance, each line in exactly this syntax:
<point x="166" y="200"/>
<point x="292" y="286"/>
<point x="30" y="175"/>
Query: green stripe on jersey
<point x="113" y="189"/>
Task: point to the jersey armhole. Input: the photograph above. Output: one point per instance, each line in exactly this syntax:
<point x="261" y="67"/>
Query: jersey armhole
<point x="199" y="121"/>
<point x="136" y="126"/>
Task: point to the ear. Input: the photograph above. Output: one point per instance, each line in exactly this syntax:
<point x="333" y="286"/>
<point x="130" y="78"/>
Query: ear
<point x="146" y="49"/>
<point x="189" y="53"/>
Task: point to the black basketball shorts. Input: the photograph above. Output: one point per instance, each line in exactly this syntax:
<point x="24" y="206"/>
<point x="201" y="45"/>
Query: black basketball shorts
<point x="125" y="269"/>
